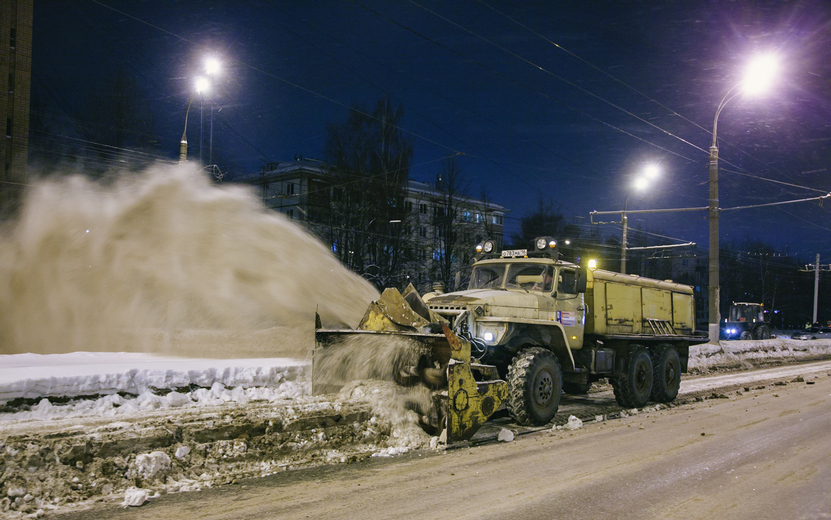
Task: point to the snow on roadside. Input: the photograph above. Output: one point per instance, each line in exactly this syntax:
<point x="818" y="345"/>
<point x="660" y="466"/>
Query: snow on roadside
<point x="121" y="383"/>
<point x="118" y="383"/>
<point x="727" y="355"/>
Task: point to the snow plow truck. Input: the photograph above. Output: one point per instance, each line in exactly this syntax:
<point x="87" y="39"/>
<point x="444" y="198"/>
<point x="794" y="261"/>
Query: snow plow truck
<point x="528" y="327"/>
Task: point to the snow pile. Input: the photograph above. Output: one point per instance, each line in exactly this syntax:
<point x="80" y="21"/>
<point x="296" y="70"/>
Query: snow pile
<point x="130" y="382"/>
<point x="394" y="407"/>
<point x="745" y="354"/>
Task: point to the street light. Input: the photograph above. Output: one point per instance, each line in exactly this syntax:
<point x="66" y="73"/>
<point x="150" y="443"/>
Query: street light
<point x="200" y="85"/>
<point x="640" y="183"/>
<point x="758" y="77"/>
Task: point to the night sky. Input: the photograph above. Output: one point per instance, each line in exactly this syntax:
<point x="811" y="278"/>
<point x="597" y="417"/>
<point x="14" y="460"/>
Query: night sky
<point x="567" y="101"/>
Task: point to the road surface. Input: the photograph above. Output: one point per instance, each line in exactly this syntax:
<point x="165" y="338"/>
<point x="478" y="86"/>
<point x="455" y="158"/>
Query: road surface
<point x="761" y="452"/>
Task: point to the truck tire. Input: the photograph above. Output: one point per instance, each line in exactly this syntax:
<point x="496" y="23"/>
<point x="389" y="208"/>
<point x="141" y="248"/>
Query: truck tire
<point x="746" y="335"/>
<point x="762" y="332"/>
<point x="633" y="388"/>
<point x="534" y="386"/>
<point x="666" y="374"/>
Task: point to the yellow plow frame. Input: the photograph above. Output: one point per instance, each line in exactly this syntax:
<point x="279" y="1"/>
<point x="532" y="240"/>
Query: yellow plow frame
<point x="465" y="394"/>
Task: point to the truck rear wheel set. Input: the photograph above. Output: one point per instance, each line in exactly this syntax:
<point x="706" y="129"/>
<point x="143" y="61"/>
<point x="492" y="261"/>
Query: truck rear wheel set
<point x="535" y="383"/>
<point x="634" y="387"/>
<point x="654" y="375"/>
<point x="666" y="374"/>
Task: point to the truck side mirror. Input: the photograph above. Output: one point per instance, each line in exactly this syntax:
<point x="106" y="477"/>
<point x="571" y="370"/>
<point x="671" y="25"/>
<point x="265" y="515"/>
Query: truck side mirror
<point x="582" y="280"/>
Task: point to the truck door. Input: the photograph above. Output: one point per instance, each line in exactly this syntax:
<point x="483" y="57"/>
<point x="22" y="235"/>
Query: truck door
<point x="570" y="307"/>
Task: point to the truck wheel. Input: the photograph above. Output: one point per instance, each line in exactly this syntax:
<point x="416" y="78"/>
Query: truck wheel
<point x="666" y="374"/>
<point x="632" y="389"/>
<point x="534" y="386"/>
<point x="764" y="332"/>
<point x="746" y="335"/>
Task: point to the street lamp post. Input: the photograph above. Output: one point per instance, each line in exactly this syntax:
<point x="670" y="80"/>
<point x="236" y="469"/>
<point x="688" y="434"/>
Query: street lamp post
<point x="201" y="85"/>
<point x="758" y="77"/>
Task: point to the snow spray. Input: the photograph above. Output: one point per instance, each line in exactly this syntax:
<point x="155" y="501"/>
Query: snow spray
<point x="165" y="262"/>
<point x="364" y="366"/>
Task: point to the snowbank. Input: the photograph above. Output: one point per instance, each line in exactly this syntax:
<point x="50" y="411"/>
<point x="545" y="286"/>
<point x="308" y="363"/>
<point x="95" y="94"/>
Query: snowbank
<point x="119" y="383"/>
<point x="709" y="357"/>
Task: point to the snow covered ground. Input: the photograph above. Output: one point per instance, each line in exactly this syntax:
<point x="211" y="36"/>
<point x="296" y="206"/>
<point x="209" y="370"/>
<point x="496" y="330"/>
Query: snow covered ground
<point x="34" y="386"/>
<point x="119" y="383"/>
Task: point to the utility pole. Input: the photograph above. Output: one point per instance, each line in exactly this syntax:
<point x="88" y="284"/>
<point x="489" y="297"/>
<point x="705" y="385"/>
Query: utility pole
<point x="816" y="268"/>
<point x="816" y="287"/>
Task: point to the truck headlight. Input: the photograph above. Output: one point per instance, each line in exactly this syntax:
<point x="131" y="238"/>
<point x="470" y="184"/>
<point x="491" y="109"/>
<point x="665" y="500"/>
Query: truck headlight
<point x="490" y="333"/>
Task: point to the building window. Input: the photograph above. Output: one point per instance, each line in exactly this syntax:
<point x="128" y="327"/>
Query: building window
<point x="290" y="188"/>
<point x="290" y="213"/>
<point x="11" y="82"/>
<point x="12" y="37"/>
<point x="466" y="216"/>
<point x="8" y="127"/>
<point x="422" y="232"/>
<point x="423" y="209"/>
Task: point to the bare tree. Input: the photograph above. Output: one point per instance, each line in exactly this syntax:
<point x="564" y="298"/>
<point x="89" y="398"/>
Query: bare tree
<point x="370" y="159"/>
<point x="448" y="205"/>
<point x="545" y="221"/>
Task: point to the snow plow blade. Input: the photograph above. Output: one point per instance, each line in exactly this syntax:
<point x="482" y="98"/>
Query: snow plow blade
<point x="400" y="340"/>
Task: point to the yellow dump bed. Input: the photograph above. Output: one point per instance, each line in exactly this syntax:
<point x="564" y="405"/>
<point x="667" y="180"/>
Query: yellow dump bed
<point x="621" y="304"/>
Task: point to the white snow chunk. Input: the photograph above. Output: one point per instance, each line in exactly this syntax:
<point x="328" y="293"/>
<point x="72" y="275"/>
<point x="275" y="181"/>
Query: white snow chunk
<point x="150" y="465"/>
<point x="134" y="497"/>
<point x="182" y="452"/>
<point x="505" y="435"/>
<point x="15" y="491"/>
<point x="176" y="399"/>
<point x="573" y="423"/>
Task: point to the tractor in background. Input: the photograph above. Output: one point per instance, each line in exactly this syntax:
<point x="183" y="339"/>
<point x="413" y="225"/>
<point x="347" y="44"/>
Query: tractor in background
<point x="746" y="321"/>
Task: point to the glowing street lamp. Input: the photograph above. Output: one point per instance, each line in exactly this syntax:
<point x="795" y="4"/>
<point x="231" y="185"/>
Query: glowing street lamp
<point x="649" y="174"/>
<point x="759" y="76"/>
<point x="200" y="85"/>
<point x="212" y="66"/>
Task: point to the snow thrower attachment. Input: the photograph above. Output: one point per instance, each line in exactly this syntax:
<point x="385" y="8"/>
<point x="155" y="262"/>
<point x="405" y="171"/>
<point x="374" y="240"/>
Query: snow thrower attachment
<point x="399" y="339"/>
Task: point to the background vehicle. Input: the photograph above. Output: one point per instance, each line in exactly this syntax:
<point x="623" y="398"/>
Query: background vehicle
<point x="813" y="333"/>
<point x="535" y="326"/>
<point x="746" y="321"/>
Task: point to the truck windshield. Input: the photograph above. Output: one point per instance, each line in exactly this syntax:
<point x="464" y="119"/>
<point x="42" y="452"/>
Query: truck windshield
<point x="531" y="277"/>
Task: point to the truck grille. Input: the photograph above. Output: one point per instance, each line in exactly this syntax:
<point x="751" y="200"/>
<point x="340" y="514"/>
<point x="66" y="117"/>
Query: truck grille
<point x="448" y="310"/>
